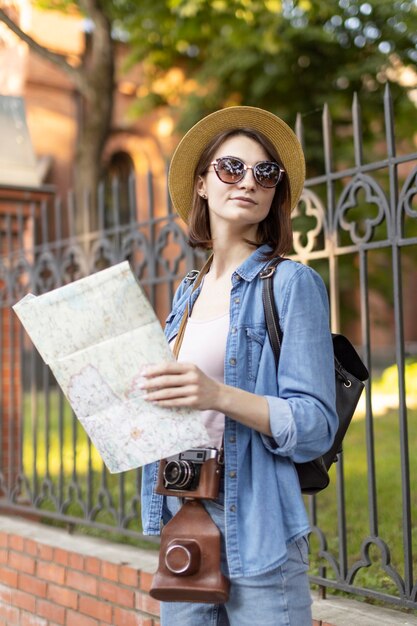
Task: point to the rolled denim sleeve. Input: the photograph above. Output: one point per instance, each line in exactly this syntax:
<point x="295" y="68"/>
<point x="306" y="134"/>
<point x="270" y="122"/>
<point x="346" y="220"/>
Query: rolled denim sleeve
<point x="303" y="418"/>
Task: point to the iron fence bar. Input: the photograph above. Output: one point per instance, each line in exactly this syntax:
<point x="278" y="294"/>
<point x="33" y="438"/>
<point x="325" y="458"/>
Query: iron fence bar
<point x="403" y="243"/>
<point x="331" y="243"/>
<point x="71" y="216"/>
<point x="100" y="208"/>
<point x="153" y="266"/>
<point x="19" y="403"/>
<point x="341" y="518"/>
<point x="115" y="189"/>
<point x="61" y="447"/>
<point x="389" y="125"/>
<point x="399" y="349"/>
<point x="369" y="418"/>
<point x="89" y="494"/>
<point x="57" y="213"/>
<point x="11" y="421"/>
<point x="86" y="212"/>
<point x="44" y="223"/>
<point x="403" y="422"/>
<point x="122" y="501"/>
<point x="34" y="421"/>
<point x="365" y="168"/>
<point x="74" y="446"/>
<point x="357" y="131"/>
<point x="46" y="397"/>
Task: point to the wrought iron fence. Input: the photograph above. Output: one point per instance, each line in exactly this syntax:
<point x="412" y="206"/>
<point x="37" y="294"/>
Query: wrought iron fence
<point x="356" y="225"/>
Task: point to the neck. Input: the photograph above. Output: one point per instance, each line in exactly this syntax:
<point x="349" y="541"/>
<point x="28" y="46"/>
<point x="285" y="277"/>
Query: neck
<point x="227" y="258"/>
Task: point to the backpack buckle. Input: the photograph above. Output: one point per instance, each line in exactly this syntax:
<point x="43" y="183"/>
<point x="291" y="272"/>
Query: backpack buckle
<point x="191" y="276"/>
<point x="267" y="272"/>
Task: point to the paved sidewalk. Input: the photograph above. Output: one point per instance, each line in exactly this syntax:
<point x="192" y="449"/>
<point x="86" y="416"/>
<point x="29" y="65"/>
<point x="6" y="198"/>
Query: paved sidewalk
<point x="337" y="611"/>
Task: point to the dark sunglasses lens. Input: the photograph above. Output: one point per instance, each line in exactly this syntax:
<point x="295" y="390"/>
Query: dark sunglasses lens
<point x="230" y="170"/>
<point x="267" y="173"/>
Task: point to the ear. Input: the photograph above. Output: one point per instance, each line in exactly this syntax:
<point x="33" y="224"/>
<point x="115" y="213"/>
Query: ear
<point x="201" y="187"/>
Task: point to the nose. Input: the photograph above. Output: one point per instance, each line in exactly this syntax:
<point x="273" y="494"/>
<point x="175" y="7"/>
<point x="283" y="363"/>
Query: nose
<point x="248" y="181"/>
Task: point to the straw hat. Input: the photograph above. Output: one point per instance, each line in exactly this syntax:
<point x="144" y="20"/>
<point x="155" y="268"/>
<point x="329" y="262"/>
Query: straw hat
<point x="190" y="148"/>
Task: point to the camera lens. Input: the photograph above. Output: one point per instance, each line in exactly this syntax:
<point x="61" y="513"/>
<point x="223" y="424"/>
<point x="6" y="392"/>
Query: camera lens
<point x="179" y="474"/>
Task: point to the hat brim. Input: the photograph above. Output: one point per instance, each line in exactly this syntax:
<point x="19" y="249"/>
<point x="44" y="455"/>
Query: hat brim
<point x="192" y="145"/>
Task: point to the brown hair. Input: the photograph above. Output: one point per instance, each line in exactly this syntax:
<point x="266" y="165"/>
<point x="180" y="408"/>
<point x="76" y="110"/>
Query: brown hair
<point x="275" y="229"/>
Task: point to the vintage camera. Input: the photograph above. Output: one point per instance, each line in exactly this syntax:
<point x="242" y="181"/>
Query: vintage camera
<point x="194" y="473"/>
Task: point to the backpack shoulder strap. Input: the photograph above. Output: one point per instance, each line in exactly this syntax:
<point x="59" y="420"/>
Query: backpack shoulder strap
<point x="270" y="309"/>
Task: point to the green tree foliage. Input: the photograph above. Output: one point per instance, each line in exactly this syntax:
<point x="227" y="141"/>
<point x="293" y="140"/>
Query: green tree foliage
<point x="289" y="57"/>
<point x="286" y="56"/>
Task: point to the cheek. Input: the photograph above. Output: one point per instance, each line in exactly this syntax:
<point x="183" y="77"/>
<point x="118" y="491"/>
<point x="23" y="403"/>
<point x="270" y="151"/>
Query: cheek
<point x="267" y="202"/>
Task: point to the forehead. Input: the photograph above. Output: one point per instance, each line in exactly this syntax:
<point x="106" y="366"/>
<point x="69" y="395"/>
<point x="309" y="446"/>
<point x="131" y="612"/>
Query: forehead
<point x="243" y="147"/>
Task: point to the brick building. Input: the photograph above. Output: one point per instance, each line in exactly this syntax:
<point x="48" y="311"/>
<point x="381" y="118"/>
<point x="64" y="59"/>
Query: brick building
<point x="52" y="103"/>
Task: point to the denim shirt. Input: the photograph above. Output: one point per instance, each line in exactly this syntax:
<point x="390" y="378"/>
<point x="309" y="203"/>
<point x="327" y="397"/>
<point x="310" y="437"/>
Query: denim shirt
<point x="263" y="506"/>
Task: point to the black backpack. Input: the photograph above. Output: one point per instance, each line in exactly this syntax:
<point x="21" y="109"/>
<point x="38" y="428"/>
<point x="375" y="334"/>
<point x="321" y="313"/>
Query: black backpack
<point x="350" y="373"/>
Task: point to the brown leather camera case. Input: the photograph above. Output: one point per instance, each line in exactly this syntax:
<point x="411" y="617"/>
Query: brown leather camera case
<point x="189" y="559"/>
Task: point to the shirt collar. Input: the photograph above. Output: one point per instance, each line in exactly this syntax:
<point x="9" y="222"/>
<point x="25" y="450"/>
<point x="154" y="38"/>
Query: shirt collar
<point x="254" y="264"/>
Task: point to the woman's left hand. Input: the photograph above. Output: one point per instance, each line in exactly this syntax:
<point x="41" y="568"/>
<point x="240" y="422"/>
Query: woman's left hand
<point x="174" y="384"/>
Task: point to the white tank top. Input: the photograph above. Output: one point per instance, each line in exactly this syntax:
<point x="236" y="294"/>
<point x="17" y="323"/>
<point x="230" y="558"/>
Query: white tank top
<point x="204" y="344"/>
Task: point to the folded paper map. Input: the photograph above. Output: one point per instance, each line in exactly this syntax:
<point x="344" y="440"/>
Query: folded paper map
<point x="96" y="334"/>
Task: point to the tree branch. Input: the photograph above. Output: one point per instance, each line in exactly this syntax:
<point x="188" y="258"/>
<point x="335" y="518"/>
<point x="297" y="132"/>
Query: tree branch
<point x="57" y="59"/>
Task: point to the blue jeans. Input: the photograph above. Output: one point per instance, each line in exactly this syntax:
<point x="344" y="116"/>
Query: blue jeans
<point x="278" y="598"/>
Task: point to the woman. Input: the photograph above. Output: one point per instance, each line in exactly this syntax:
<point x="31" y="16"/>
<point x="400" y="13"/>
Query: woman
<point x="234" y="179"/>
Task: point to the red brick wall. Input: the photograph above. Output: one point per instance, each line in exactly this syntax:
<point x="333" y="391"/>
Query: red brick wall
<point x="43" y="585"/>
<point x="51" y="578"/>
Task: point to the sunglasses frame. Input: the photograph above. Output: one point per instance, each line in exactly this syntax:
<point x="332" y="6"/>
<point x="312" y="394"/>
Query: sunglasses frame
<point x="215" y="164"/>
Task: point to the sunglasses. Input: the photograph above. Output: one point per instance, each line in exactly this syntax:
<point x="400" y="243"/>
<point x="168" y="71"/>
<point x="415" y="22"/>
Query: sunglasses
<point x="232" y="170"/>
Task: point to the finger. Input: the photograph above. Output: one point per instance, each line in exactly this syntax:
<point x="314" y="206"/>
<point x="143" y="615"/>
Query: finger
<point x="170" y="393"/>
<point x="172" y="380"/>
<point x="177" y="403"/>
<point x="166" y="368"/>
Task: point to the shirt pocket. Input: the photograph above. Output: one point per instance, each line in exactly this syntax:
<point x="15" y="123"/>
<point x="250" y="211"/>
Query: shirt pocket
<point x="255" y="343"/>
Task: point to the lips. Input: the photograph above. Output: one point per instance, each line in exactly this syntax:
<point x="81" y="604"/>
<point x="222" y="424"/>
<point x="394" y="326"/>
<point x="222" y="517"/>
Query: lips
<point x="244" y="199"/>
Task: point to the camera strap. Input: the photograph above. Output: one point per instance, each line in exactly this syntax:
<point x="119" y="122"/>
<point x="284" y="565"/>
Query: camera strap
<point x="196" y="278"/>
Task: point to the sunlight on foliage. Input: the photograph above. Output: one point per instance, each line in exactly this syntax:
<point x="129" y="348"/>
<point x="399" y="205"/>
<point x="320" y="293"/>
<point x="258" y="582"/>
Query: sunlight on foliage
<point x="388" y="383"/>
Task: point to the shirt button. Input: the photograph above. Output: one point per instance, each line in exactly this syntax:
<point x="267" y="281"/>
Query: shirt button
<point x="234" y="330"/>
<point x="232" y="439"/>
<point x="237" y="277"/>
<point x="232" y="474"/>
<point x="236" y="300"/>
<point x="232" y="508"/>
<point x="232" y="361"/>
